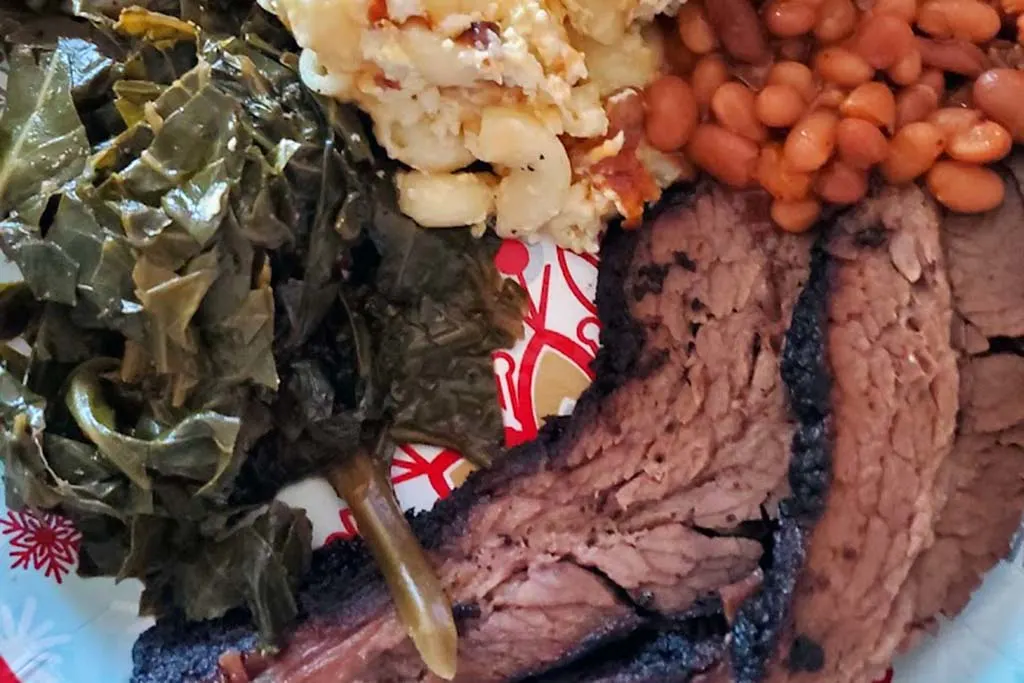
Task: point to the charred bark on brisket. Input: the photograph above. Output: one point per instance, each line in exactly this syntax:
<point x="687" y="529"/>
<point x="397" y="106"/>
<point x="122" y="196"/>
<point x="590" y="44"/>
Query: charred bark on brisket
<point x="805" y="371"/>
<point x="644" y="645"/>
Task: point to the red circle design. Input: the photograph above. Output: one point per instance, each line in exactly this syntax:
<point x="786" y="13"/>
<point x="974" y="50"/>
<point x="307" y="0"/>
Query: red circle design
<point x="512" y="258"/>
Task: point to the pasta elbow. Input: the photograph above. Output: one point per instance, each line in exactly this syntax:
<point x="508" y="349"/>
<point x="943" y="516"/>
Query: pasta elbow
<point x="445" y="200"/>
<point x="536" y="165"/>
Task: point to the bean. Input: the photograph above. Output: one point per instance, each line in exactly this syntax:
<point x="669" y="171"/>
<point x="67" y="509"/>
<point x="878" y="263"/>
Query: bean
<point x="796" y="216"/>
<point x="671" y="113"/>
<point x="710" y="73"/>
<point x="907" y="70"/>
<point x="795" y="74"/>
<point x="795" y="49"/>
<point x="842" y="67"/>
<point x="904" y="9"/>
<point x="915" y="103"/>
<point x="934" y="79"/>
<point x="860" y="144"/>
<point x="775" y="175"/>
<point x="968" y="20"/>
<point x="1000" y="94"/>
<point x="733" y="106"/>
<point x="965" y="188"/>
<point x="678" y="57"/>
<point x="831" y="97"/>
<point x="754" y="76"/>
<point x="883" y="40"/>
<point x="811" y="141"/>
<point x="779" y="106"/>
<point x="694" y="29"/>
<point x="729" y="157"/>
<point x="739" y="29"/>
<point x="982" y="143"/>
<point x="839" y="183"/>
<point x="872" y="102"/>
<point x="957" y="56"/>
<point x="954" y="120"/>
<point x="790" y="18"/>
<point x="836" y="20"/>
<point x="912" y="151"/>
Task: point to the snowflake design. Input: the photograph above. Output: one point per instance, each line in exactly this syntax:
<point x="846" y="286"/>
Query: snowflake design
<point x="44" y="542"/>
<point x="27" y="648"/>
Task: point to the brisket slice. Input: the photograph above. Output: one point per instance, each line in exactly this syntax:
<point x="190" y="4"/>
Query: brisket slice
<point x="986" y="470"/>
<point x="632" y="515"/>
<point x="894" y="402"/>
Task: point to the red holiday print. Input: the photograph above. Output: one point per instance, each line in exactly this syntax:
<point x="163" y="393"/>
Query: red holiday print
<point x="545" y="350"/>
<point x="348" y="531"/>
<point x="443" y="472"/>
<point x="42" y="541"/>
<point x="6" y="675"/>
<point x="409" y="464"/>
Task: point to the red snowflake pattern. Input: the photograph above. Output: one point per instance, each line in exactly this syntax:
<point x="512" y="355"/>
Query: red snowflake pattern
<point x="44" y="542"/>
<point x="6" y="675"/>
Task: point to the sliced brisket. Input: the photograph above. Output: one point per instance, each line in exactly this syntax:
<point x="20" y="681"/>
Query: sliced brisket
<point x="636" y="509"/>
<point x="986" y="470"/>
<point x="894" y="402"/>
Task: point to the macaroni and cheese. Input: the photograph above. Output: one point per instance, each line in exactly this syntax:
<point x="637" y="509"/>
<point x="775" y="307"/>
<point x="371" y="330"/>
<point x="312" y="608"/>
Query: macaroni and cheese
<point x="518" y="84"/>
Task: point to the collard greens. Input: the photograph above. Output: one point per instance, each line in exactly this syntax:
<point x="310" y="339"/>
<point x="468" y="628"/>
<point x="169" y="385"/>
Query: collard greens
<point x="208" y="293"/>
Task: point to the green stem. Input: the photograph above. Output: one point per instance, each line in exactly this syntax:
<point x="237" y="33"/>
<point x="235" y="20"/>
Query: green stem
<point x="419" y="598"/>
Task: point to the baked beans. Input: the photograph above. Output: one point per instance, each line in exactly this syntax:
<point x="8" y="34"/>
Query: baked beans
<point x="965" y="188"/>
<point x="872" y="102"/>
<point x="725" y="155"/>
<point x="779" y="106"/>
<point x="836" y="20"/>
<point x="733" y="105"/>
<point x="843" y="67"/>
<point x="671" y="113"/>
<point x="982" y="143"/>
<point x="811" y="141"/>
<point x="840" y="183"/>
<point x="883" y="40"/>
<point x="968" y="20"/>
<point x="860" y="144"/>
<point x="794" y="74"/>
<point x="1000" y="94"/>
<point x="915" y="103"/>
<point x="695" y="30"/>
<point x="842" y="91"/>
<point x="779" y="178"/>
<point x="796" y="216"/>
<point x="789" y="18"/>
<point x="907" y="69"/>
<point x="912" y="151"/>
<point x="709" y="73"/>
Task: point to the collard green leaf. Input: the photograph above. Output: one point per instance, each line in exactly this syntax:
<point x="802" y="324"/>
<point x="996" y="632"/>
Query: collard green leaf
<point x="43" y="144"/>
<point x="226" y="280"/>
<point x="47" y="268"/>
<point x="199" y="449"/>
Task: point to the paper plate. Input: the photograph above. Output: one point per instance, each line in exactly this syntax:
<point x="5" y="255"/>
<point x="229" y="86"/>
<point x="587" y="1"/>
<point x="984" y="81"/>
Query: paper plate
<point x="58" y="628"/>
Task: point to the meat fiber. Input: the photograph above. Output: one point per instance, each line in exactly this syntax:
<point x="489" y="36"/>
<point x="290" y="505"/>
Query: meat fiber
<point x="894" y="403"/>
<point x="985" y="498"/>
<point x="644" y="506"/>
